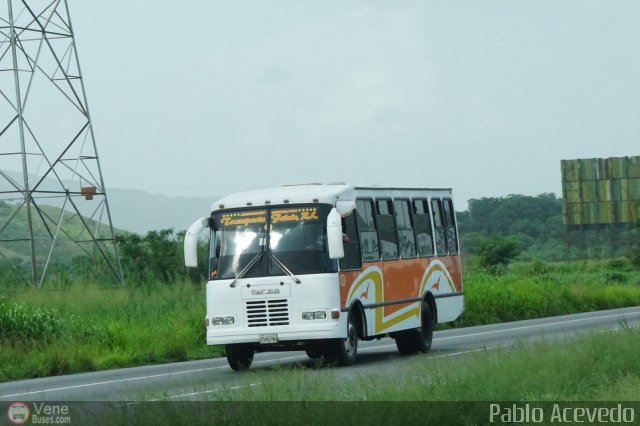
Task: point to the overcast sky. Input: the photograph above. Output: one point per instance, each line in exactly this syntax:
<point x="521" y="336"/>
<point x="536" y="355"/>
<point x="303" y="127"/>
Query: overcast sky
<point x="210" y="97"/>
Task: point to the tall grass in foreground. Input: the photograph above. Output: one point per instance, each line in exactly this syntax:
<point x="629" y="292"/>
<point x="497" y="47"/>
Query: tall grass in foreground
<point x="422" y="389"/>
<point x="86" y="327"/>
<point x="597" y="367"/>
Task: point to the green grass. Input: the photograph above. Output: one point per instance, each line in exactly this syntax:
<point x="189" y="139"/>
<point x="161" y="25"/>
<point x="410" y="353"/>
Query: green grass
<point x="92" y="328"/>
<point x="72" y="326"/>
<point x="534" y="290"/>
<point x="594" y="367"/>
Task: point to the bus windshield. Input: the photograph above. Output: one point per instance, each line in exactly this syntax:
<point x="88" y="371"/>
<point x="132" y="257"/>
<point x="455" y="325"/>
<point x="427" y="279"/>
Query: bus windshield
<point x="295" y="235"/>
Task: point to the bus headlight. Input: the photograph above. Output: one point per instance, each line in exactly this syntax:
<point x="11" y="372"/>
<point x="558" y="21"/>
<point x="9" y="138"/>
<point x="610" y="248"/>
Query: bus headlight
<point x="222" y="320"/>
<point x="314" y="315"/>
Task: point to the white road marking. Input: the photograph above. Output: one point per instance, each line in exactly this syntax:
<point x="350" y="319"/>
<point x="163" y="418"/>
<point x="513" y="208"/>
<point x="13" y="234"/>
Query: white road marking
<point x="524" y="327"/>
<point x="250" y="385"/>
<point x="106" y="382"/>
<point x="258" y="384"/>
<point x="131" y="379"/>
<point x="468" y="351"/>
<point x="126" y="404"/>
<point x="615" y="330"/>
<point x="376" y="347"/>
<point x="280" y="359"/>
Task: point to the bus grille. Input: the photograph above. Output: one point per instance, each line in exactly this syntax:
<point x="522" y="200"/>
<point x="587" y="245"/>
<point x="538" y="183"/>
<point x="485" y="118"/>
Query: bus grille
<point x="262" y="313"/>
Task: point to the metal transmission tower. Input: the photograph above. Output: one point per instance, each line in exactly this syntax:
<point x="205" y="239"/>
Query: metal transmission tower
<point x="52" y="194"/>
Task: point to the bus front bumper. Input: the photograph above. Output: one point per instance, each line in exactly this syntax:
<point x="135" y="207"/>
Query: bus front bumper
<point x="329" y="329"/>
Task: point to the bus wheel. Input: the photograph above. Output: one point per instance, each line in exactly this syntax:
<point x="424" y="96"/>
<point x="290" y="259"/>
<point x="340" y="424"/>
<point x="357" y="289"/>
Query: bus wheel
<point x="345" y="351"/>
<point x="313" y="350"/>
<point x="417" y="340"/>
<point x="239" y="356"/>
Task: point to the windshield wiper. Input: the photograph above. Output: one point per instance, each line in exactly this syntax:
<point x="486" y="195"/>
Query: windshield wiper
<point x="284" y="268"/>
<point x="257" y="257"/>
<point x="247" y="268"/>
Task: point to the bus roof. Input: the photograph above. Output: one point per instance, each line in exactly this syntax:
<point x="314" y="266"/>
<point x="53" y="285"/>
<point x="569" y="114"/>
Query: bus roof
<point x="315" y="193"/>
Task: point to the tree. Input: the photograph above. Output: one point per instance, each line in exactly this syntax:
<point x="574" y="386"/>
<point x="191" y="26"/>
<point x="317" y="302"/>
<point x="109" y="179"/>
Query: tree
<point x="158" y="255"/>
<point x="496" y="252"/>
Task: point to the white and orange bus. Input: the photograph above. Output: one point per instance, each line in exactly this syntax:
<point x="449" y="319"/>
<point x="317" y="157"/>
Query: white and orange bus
<point x="320" y="267"/>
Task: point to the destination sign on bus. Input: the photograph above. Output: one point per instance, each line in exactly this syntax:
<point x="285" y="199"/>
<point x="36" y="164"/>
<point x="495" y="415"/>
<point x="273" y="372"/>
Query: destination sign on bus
<point x="294" y="215"/>
<point x="244" y="218"/>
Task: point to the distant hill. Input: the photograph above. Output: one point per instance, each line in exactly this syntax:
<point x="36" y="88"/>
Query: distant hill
<point x="139" y="211"/>
<point x="131" y="211"/>
<point x="18" y="252"/>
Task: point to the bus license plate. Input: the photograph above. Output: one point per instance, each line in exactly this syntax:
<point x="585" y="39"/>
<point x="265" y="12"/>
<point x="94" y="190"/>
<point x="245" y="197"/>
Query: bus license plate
<point x="268" y="338"/>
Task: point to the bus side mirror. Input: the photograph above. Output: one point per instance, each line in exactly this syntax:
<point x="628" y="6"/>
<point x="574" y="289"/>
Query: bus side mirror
<point x="191" y="242"/>
<point x="334" y="235"/>
<point x="345" y="207"/>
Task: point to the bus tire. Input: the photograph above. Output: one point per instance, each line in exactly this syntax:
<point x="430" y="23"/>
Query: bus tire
<point x="345" y="351"/>
<point x="239" y="356"/>
<point x="417" y="340"/>
<point x="313" y="351"/>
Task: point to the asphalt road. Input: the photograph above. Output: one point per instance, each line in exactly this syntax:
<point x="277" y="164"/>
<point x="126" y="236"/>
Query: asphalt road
<point x="204" y="378"/>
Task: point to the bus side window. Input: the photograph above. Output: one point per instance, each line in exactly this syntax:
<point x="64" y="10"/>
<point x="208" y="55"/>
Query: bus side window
<point x="387" y="229"/>
<point x="352" y="258"/>
<point x="422" y="228"/>
<point x="438" y="225"/>
<point x="450" y="224"/>
<point x="406" y="238"/>
<point x="367" y="231"/>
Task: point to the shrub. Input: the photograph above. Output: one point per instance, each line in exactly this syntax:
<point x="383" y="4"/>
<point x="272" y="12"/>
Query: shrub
<point x="540" y="268"/>
<point x="616" y="277"/>
<point x="497" y="252"/>
<point x="158" y="256"/>
<point x="11" y="278"/>
<point x="20" y="321"/>
<point x="619" y="264"/>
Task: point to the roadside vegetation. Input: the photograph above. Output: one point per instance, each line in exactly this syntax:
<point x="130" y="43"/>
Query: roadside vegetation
<point x="74" y="325"/>
<point x="82" y="320"/>
<point x="537" y="289"/>
<point x="536" y="225"/>
<point x="569" y="370"/>
<point x="425" y="388"/>
<point x="86" y="327"/>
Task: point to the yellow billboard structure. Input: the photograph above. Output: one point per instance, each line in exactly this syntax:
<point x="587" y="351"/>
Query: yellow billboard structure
<point x="599" y="191"/>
